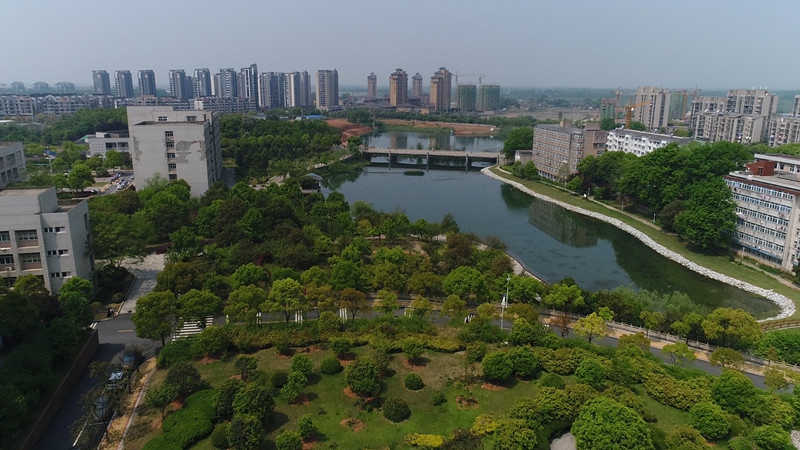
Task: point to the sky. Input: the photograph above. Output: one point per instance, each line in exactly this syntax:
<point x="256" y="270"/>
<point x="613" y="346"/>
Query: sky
<point x="709" y="44"/>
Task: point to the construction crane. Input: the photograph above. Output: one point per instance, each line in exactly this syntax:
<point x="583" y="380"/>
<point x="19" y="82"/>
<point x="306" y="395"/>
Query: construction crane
<point x="629" y="112"/>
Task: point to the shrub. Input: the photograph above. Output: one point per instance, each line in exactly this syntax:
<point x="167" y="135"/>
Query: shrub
<point x="496" y="366"/>
<point x="524" y="361"/>
<point x="771" y="437"/>
<point x="283" y="345"/>
<point x="591" y="372"/>
<point x="302" y="363"/>
<point x="396" y="410"/>
<point x="294" y="386"/>
<point x="212" y="341"/>
<point x="381" y="358"/>
<point x="185" y="378"/>
<point x="245" y="365"/>
<point x="246" y="432"/>
<point x="341" y="346"/>
<point x="424" y="440"/>
<point x="476" y="352"/>
<point x="328" y="323"/>
<point x="219" y="438"/>
<point x="190" y="423"/>
<point x="413" y="348"/>
<point x="438" y="398"/>
<point x="307" y="427"/>
<point x="413" y="382"/>
<point x="255" y="400"/>
<point x="362" y="377"/>
<point x="710" y="420"/>
<point x="330" y="366"/>
<point x="685" y="438"/>
<point x="289" y="440"/>
<point x="443" y="344"/>
<point x="176" y="351"/>
<point x="484" y="424"/>
<point x="552" y="380"/>
<point x="223" y="398"/>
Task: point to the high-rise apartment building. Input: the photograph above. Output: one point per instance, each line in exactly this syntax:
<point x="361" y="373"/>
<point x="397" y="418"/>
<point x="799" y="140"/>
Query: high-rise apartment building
<point x="271" y="90"/>
<point x="744" y="115"/>
<point x="40" y="237"/>
<point x="466" y="97"/>
<point x="416" y="85"/>
<point x="372" y="86"/>
<point x="654" y="113"/>
<point x="327" y="89"/>
<point x="183" y="145"/>
<point x="203" y="83"/>
<point x="226" y="83"/>
<point x="298" y="89"/>
<point x="147" y="83"/>
<point x="179" y="86"/>
<point x="441" y="89"/>
<point x="248" y="83"/>
<point x="489" y="97"/>
<point x="102" y="82"/>
<point x="123" y="81"/>
<point x="398" y="87"/>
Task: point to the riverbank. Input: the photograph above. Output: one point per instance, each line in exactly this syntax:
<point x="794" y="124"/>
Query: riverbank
<point x="786" y="305"/>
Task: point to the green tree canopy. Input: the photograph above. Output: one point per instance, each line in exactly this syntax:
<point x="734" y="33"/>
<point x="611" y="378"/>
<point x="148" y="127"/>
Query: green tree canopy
<point x="518" y="139"/>
<point x="156" y="315"/>
<point x="605" y="424"/>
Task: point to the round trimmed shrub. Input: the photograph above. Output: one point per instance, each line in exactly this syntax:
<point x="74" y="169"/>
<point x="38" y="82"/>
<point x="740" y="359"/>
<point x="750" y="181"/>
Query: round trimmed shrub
<point x="591" y="372"/>
<point x="710" y="420"/>
<point x="289" y="440"/>
<point x="438" y="398"/>
<point x="341" y="346"/>
<point x="552" y="380"/>
<point x="496" y="366"/>
<point x="330" y="366"/>
<point x="396" y="410"/>
<point x="219" y="438"/>
<point x="302" y="363"/>
<point x="413" y="382"/>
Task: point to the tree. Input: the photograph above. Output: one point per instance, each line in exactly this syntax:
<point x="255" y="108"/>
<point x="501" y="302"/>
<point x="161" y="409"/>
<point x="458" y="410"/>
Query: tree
<point x="733" y="328"/>
<point x="355" y="301"/>
<point x="387" y="302"/>
<point x="605" y="424"/>
<point x="413" y="349"/>
<point x="156" y="315"/>
<point x="652" y="319"/>
<point x="514" y="434"/>
<point x="19" y="314"/>
<point x="708" y="219"/>
<point x="518" y="139"/>
<point x="679" y="353"/>
<point x="591" y="372"/>
<point x="75" y="297"/>
<point x="197" y="305"/>
<point x="249" y="274"/>
<point x="295" y="383"/>
<point x="185" y="378"/>
<point x="160" y="397"/>
<point x="563" y="297"/>
<point x="286" y="296"/>
<point x="420" y="306"/>
<point x="685" y="438"/>
<point x="591" y="326"/>
<point x="223" y="397"/>
<point x="455" y="308"/>
<point x="775" y="379"/>
<point x="710" y="420"/>
<point x="525" y="311"/>
<point x="496" y="366"/>
<point x="362" y="377"/>
<point x="245" y="366"/>
<point x="466" y="282"/>
<point x="246" y="432"/>
<point x="525" y="333"/>
<point x="307" y="427"/>
<point x="734" y="392"/>
<point x="255" y="399"/>
<point x="346" y="274"/>
<point x="80" y="177"/>
<point x="244" y="302"/>
<point x="637" y="339"/>
<point x="608" y="124"/>
<point x="638" y="126"/>
<point x="726" y="358"/>
<point x="302" y="363"/>
<point x="524" y="361"/>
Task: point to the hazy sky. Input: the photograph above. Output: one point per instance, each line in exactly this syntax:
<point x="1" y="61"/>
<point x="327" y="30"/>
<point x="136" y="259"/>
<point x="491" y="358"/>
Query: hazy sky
<point x="711" y="44"/>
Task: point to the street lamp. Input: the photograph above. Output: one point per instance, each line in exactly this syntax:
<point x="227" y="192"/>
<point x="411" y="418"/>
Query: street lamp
<point x="504" y="303"/>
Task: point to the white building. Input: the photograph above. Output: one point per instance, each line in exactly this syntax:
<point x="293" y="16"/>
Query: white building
<point x="12" y="163"/>
<point x="183" y="145"/>
<point x="638" y="142"/>
<point x="103" y="141"/>
<point x="40" y="237"/>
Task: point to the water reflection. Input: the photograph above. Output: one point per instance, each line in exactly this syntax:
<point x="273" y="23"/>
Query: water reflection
<point x="432" y="141"/>
<point x="560" y="224"/>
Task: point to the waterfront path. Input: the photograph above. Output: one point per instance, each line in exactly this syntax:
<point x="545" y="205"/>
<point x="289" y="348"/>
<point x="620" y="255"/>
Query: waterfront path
<point x="786" y="305"/>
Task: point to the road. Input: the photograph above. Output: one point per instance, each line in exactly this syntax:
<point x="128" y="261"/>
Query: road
<point x="115" y="335"/>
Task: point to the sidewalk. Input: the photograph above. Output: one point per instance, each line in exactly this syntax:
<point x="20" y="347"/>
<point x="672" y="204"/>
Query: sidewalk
<point x="128" y="411"/>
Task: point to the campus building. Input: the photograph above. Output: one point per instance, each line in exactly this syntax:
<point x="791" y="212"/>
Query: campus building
<point x="768" y="210"/>
<point x="103" y="141"/>
<point x="177" y="145"/>
<point x="639" y="143"/>
<point x="39" y="236"/>
<point x="12" y="163"/>
<point x="557" y="149"/>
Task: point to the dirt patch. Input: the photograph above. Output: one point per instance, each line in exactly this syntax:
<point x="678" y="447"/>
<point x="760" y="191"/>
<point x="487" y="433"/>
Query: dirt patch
<point x="349" y="129"/>
<point x="157" y="422"/>
<point x="208" y="360"/>
<point x="312" y="349"/>
<point x="349" y="392"/>
<point x="301" y="400"/>
<point x="492" y="387"/>
<point x="310" y="443"/>
<point x="353" y="424"/>
<point x="347" y="359"/>
<point x="236" y="377"/>
<point x="466" y="402"/>
<point x="416" y="365"/>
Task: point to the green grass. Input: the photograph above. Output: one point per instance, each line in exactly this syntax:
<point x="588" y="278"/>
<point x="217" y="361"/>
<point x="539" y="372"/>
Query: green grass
<point x="717" y="263"/>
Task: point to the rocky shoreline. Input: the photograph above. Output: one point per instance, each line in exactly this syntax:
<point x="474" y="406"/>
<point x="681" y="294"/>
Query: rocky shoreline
<point x="785" y="304"/>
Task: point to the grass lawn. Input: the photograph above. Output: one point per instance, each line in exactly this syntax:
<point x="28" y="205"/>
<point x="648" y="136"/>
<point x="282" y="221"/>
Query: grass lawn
<point x="717" y="263"/>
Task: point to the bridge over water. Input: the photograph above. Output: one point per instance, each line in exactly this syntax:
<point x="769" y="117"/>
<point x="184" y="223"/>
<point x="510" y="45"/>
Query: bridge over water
<point x="431" y="156"/>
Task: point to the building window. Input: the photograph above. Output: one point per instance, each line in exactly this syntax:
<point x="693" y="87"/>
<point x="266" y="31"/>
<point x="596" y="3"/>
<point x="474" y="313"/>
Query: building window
<point x="191" y="118"/>
<point x="170" y="144"/>
<point x="162" y="118"/>
<point x="30" y="258"/>
<point x="28" y="235"/>
<point x="63" y="252"/>
<point x="5" y="236"/>
<point x="54" y="229"/>
<point x="168" y="134"/>
<point x="170" y="155"/>
<point x="6" y="259"/>
<point x="173" y="177"/>
<point x="66" y="274"/>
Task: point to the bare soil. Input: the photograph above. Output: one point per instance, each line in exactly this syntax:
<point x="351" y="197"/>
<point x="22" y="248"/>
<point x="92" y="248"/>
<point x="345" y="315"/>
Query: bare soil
<point x="466" y="402"/>
<point x="492" y="387"/>
<point x="349" y="129"/>
<point x="419" y="365"/>
<point x="355" y="425"/>
<point x="208" y="360"/>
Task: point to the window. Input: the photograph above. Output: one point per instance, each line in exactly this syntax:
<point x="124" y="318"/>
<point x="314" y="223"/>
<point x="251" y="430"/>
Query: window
<point x="172" y="166"/>
<point x="63" y="252"/>
<point x="173" y="177"/>
<point x="168" y="134"/>
<point x="170" y="155"/>
<point x="30" y="258"/>
<point x="5" y="236"/>
<point x="191" y="118"/>
<point x="27" y="235"/>
<point x="54" y="229"/>
<point x="162" y="118"/>
<point x="170" y="144"/>
<point x="6" y="259"/>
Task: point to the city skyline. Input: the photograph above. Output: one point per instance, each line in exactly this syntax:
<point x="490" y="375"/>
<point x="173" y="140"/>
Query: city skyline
<point x="517" y="44"/>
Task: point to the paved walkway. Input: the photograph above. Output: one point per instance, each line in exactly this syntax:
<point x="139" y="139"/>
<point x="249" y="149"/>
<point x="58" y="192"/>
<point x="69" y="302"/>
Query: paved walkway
<point x="146" y="271"/>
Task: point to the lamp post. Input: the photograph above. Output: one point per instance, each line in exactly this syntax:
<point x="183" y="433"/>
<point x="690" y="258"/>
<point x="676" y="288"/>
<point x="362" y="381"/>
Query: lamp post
<point x="504" y="303"/>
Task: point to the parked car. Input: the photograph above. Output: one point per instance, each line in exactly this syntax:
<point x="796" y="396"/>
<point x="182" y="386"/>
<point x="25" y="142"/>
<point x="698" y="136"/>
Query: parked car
<point x="101" y="410"/>
<point x="115" y="380"/>
<point x="130" y="361"/>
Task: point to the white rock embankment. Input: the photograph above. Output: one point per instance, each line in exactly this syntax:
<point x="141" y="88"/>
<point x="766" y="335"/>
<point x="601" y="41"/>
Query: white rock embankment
<point x="785" y="304"/>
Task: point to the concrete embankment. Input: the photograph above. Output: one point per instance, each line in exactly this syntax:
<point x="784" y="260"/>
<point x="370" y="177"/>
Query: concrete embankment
<point x="786" y="305"/>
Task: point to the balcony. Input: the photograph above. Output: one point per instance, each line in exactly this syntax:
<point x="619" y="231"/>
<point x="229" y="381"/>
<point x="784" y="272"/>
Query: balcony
<point x="6" y="268"/>
<point x="27" y="243"/>
<point x="31" y="265"/>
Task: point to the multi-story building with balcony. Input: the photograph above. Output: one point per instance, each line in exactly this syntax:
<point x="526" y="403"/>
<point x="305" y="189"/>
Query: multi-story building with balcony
<point x="327" y="89"/>
<point x="398" y="87"/>
<point x="767" y="197"/>
<point x="39" y="236"/>
<point x="12" y="163"/>
<point x="653" y="111"/>
<point x="557" y="150"/>
<point x="176" y="144"/>
<point x="123" y="82"/>
<point x="741" y="116"/>
<point x="730" y="127"/>
<point x="639" y="143"/>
